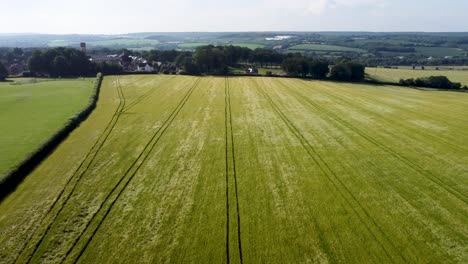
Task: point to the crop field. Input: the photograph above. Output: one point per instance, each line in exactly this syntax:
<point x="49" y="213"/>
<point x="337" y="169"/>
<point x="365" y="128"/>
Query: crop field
<point x="31" y="111"/>
<point x="394" y="75"/>
<point x="250" y="170"/>
<point x="326" y="48"/>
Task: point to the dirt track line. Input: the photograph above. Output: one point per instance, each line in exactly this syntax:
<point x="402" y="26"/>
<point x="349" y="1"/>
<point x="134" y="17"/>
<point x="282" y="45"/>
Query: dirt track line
<point x="239" y="241"/>
<point x="105" y="134"/>
<point x="415" y="131"/>
<point x="149" y="147"/>
<point x="398" y="156"/>
<point x="144" y="96"/>
<point x="227" y="169"/>
<point x="325" y="168"/>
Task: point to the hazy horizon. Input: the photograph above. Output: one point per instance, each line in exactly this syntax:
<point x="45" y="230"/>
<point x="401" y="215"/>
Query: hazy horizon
<point x="120" y="17"/>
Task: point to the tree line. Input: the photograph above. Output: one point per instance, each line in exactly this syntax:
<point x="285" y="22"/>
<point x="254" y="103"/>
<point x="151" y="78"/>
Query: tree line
<point x="67" y="62"/>
<point x="216" y="60"/>
<point x="439" y="82"/>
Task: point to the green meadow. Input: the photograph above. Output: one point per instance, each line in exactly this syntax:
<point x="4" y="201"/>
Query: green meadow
<point x="32" y="110"/>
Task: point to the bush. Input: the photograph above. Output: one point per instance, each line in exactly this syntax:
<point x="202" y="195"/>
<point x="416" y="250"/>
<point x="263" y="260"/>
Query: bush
<point x="440" y="82"/>
<point x="269" y="73"/>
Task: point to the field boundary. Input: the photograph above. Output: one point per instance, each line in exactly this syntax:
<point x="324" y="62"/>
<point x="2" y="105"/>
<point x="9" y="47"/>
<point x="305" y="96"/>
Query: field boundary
<point x="12" y="179"/>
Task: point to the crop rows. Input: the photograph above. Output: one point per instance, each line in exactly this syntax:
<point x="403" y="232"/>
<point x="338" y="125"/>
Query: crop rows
<point x="242" y="170"/>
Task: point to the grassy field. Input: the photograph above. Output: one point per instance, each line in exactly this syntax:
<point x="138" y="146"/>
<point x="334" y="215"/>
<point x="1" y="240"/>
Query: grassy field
<point x="192" y="45"/>
<point x="250" y="170"/>
<point x="326" y="48"/>
<point x="248" y="45"/>
<point x="119" y="42"/>
<point x="440" y="51"/>
<point x="32" y="110"/>
<point x="394" y="75"/>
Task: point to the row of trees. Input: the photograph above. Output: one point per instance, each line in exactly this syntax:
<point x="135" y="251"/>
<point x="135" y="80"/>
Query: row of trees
<point x="439" y="82"/>
<point x="217" y="60"/>
<point x="66" y="62"/>
<point x="209" y="59"/>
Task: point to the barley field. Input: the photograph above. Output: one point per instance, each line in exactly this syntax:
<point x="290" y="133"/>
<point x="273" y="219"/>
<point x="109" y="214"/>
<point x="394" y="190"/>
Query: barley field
<point x="250" y="170"/>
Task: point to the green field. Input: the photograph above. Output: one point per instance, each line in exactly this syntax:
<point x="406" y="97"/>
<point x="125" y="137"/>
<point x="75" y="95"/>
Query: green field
<point x="250" y="170"/>
<point x="126" y="42"/>
<point x="192" y="45"/>
<point x="32" y="110"/>
<point x="247" y="45"/>
<point x="440" y="51"/>
<point x="325" y="48"/>
<point x="394" y="75"/>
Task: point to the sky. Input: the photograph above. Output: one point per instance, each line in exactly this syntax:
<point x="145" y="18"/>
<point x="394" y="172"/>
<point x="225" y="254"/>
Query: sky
<point x="119" y="16"/>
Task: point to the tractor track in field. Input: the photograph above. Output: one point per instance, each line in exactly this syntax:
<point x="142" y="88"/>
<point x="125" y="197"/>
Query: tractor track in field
<point x="383" y="117"/>
<point x="144" y="96"/>
<point x="428" y="175"/>
<point x="329" y="173"/>
<point x="442" y="105"/>
<point x="349" y="90"/>
<point x="227" y="170"/>
<point x="97" y="147"/>
<point x="229" y="127"/>
<point x="141" y="160"/>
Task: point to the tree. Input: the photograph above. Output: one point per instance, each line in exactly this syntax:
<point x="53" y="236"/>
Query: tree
<point x="3" y="72"/>
<point x="190" y="67"/>
<point x="319" y="69"/>
<point x="60" y="62"/>
<point x="296" y="66"/>
<point x="358" y="71"/>
<point x="211" y="59"/>
<point x="340" y="72"/>
<point x="348" y="71"/>
<point x="36" y="63"/>
<point x="60" y="67"/>
<point x="18" y="51"/>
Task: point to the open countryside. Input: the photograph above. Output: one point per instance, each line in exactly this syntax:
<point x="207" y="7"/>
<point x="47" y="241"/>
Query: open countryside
<point x="250" y="169"/>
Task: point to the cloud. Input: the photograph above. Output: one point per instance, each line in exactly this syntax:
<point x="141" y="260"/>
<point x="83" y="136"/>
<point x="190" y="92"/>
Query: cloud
<point x="319" y="7"/>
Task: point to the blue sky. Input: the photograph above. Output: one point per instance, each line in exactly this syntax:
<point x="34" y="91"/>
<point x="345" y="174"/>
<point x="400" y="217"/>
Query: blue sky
<point x="119" y="16"/>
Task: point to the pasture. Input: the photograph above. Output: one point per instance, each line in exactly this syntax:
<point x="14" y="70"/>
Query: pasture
<point x="31" y="110"/>
<point x="192" y="45"/>
<point x="394" y="75"/>
<point x="250" y="170"/>
<point x="324" y="48"/>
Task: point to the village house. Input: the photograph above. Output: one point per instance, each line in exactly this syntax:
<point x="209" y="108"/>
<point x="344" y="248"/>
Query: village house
<point x="251" y="70"/>
<point x="16" y="69"/>
<point x="145" y="67"/>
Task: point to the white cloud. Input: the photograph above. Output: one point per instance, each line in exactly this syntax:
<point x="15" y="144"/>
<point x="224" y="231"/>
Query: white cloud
<point x="319" y="7"/>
